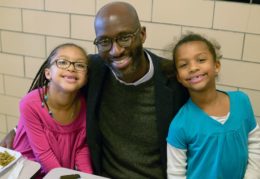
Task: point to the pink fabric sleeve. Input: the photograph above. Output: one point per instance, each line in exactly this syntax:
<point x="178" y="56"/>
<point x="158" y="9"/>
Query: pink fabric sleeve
<point x="31" y="117"/>
<point x="82" y="161"/>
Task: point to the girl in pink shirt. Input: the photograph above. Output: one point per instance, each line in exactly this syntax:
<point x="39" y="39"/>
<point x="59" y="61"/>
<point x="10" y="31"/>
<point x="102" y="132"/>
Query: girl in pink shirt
<point x="52" y="124"/>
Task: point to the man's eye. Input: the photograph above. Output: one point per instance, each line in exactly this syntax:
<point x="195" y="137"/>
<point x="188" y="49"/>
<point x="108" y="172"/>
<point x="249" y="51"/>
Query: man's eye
<point x="104" y="42"/>
<point x="123" y="38"/>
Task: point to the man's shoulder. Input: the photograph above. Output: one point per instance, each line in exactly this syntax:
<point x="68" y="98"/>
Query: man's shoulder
<point x="165" y="65"/>
<point x="94" y="58"/>
<point x="95" y="61"/>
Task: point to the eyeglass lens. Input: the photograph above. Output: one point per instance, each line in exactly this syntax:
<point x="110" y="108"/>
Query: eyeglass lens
<point x="105" y="44"/>
<point x="65" y="64"/>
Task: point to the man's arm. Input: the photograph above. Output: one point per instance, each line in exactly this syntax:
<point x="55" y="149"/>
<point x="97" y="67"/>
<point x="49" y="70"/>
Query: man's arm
<point x="8" y="140"/>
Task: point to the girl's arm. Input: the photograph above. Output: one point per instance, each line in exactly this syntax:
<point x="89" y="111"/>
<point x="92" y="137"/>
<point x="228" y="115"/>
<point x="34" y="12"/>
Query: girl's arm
<point x="176" y="163"/>
<point x="253" y="167"/>
<point x="37" y="138"/>
<point x="82" y="161"/>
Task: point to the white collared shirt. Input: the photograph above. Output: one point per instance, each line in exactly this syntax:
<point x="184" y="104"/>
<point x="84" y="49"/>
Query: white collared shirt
<point x="145" y="78"/>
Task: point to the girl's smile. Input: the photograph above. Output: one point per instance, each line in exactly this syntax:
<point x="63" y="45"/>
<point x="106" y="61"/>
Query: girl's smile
<point x="196" y="67"/>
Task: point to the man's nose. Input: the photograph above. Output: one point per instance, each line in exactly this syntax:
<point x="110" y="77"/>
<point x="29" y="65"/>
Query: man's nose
<point x="116" y="49"/>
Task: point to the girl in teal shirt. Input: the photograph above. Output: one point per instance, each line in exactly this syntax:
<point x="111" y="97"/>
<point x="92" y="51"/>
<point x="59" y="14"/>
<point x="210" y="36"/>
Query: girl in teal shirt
<point x="211" y="136"/>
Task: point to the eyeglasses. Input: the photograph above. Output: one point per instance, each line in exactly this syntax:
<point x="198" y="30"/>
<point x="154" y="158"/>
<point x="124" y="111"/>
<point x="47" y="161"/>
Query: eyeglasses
<point x="104" y="44"/>
<point x="65" y="64"/>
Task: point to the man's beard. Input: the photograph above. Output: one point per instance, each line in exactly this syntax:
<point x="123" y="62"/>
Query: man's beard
<point x="136" y="56"/>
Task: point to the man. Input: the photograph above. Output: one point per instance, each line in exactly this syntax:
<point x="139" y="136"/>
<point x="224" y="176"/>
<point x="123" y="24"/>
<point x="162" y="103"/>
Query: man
<point x="132" y="98"/>
<point x="131" y="105"/>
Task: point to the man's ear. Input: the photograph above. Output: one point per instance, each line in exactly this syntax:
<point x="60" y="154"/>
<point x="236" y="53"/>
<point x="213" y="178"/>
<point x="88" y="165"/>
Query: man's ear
<point x="143" y="34"/>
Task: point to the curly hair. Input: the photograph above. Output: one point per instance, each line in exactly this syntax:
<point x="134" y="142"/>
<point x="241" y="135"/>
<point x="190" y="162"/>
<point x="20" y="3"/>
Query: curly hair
<point x="212" y="45"/>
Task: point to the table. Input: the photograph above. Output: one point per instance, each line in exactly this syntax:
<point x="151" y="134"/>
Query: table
<point x="57" y="172"/>
<point x="29" y="169"/>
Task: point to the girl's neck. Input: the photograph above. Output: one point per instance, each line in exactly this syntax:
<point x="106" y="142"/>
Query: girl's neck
<point x="63" y="107"/>
<point x="61" y="100"/>
<point x="205" y="97"/>
<point x="212" y="102"/>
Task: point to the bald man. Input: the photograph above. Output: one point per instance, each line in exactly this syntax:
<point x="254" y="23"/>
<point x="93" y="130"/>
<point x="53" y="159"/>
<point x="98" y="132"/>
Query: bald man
<point x="132" y="97"/>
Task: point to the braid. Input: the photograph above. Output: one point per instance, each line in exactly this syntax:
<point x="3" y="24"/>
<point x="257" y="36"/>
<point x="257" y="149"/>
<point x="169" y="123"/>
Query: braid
<point x="39" y="80"/>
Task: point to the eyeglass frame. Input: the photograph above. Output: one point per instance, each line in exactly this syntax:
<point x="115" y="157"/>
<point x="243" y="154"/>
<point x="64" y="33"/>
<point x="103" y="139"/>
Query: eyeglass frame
<point x="70" y="63"/>
<point x="115" y="39"/>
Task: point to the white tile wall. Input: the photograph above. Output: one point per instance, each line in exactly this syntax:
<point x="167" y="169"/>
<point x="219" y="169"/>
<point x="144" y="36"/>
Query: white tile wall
<point x="251" y="49"/>
<point x="1" y="84"/>
<point x="0" y="43"/>
<point x="15" y="86"/>
<point x="48" y="23"/>
<point x="53" y="42"/>
<point x="14" y="21"/>
<point x="255" y="100"/>
<point x="82" y="27"/>
<point x="11" y="122"/>
<point x="164" y="37"/>
<point x="258" y="120"/>
<point x="232" y="16"/>
<point x="241" y="17"/>
<point x="3" y="126"/>
<point x="9" y="105"/>
<point x="11" y="64"/>
<point x="71" y="6"/>
<point x="23" y="43"/>
<point x="34" y="27"/>
<point x="231" y="42"/>
<point x="28" y="4"/>
<point x="226" y="88"/>
<point x="191" y="13"/>
<point x="32" y="65"/>
<point x="253" y="25"/>
<point x="240" y="74"/>
<point x="143" y="8"/>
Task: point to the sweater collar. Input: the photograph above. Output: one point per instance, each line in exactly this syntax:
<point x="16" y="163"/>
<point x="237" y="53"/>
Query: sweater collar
<point x="145" y="78"/>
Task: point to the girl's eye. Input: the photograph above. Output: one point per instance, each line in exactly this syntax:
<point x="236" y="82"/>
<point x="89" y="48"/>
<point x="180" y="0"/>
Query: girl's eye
<point x="202" y="59"/>
<point x="182" y="65"/>
<point x="62" y="61"/>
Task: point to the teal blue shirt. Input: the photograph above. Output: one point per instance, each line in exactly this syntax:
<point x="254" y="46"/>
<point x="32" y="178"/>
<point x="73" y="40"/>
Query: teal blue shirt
<point x="214" y="150"/>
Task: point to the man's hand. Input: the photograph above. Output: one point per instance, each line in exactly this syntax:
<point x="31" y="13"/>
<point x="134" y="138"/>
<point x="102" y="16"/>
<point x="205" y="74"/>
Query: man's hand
<point x="8" y="140"/>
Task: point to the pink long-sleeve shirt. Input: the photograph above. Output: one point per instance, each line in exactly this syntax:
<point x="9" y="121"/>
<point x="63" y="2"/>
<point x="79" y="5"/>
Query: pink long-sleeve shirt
<point x="40" y="138"/>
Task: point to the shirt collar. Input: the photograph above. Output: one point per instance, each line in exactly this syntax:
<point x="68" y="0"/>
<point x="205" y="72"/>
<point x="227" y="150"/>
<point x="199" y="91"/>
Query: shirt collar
<point x="145" y="78"/>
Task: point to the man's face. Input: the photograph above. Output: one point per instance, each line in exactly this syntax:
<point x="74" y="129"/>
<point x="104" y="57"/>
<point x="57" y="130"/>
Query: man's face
<point x="120" y="45"/>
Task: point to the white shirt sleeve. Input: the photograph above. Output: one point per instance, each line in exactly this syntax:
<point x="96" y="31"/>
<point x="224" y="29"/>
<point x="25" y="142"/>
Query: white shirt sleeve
<point x="253" y="167"/>
<point x="176" y="163"/>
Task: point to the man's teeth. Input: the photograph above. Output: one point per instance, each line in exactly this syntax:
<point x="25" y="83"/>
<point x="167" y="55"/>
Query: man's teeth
<point x="119" y="61"/>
